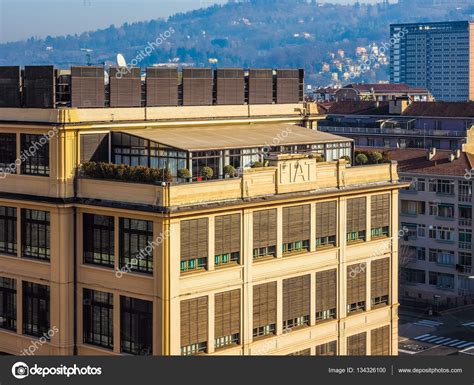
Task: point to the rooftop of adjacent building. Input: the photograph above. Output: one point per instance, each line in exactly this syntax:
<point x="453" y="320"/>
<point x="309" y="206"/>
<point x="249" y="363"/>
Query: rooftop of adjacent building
<point x="385" y="88"/>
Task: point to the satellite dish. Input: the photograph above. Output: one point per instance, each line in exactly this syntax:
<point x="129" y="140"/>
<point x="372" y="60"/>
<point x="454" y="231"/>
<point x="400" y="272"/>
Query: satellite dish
<point x="121" y="60"/>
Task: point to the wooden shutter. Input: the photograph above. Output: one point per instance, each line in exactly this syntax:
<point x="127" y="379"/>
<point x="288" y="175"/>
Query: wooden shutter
<point x="264" y="228"/>
<point x="356" y="214"/>
<point x="125" y="89"/>
<point x="161" y="87"/>
<point x="260" y="86"/>
<point x="194" y="321"/>
<point x="227" y="234"/>
<point x="356" y="283"/>
<point x="357" y="345"/>
<point x="380" y="277"/>
<point x="326" y="219"/>
<point x="288" y="86"/>
<point x="328" y="349"/>
<point x="197" y="86"/>
<point x="194" y="238"/>
<point x="296" y="223"/>
<point x="230" y="86"/>
<point x="87" y="87"/>
<point x="380" y="210"/>
<point x="227" y="313"/>
<point x="305" y="352"/>
<point x="380" y="341"/>
<point x="326" y="290"/>
<point x="95" y="148"/>
<point x="296" y="297"/>
<point x="264" y="304"/>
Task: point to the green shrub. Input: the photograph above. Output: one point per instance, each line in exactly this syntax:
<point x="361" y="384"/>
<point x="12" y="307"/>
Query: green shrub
<point x="376" y="157"/>
<point x="229" y="170"/>
<point x="123" y="172"/>
<point x="319" y="158"/>
<point x="184" y="173"/>
<point x="257" y="164"/>
<point x="346" y="158"/>
<point x="362" y="159"/>
<point x="207" y="172"/>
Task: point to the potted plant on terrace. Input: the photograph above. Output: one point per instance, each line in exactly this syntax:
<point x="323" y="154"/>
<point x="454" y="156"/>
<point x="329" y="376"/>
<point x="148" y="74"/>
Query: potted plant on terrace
<point x="207" y="172"/>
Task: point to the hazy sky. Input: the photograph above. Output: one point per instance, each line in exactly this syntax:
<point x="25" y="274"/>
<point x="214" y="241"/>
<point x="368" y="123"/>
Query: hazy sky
<point x="20" y="19"/>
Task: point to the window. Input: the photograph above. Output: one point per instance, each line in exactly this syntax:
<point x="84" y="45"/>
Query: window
<point x="413" y="275"/>
<point x="328" y="349"/>
<point x="465" y="259"/>
<point x="296" y="301"/>
<point x="7" y="303"/>
<point x="356" y="219"/>
<point x="420" y="231"/>
<point x="7" y="151"/>
<point x="136" y="326"/>
<point x="98" y="318"/>
<point x="357" y="345"/>
<point x="380" y="281"/>
<point x="442" y="257"/>
<point x="441" y="280"/>
<point x="98" y="241"/>
<point x="380" y="341"/>
<point x="194" y="242"/>
<point x="326" y="224"/>
<point x="326" y="295"/>
<point x="8" y="230"/>
<point x="227" y="319"/>
<point x="36" y="309"/>
<point x="465" y="238"/>
<point x="305" y="352"/>
<point x="410" y="230"/>
<point x="465" y="191"/>
<point x="356" y="287"/>
<point x="296" y="229"/>
<point x="227" y="239"/>
<point x="441" y="210"/>
<point x="420" y="253"/>
<point x="36" y="149"/>
<point x="264" y="234"/>
<point x="380" y="215"/>
<point x="264" y="309"/>
<point x="136" y="237"/>
<point x="35" y="234"/>
<point x="441" y="186"/>
<point x="194" y="324"/>
<point x="412" y="207"/>
<point x="440" y="233"/>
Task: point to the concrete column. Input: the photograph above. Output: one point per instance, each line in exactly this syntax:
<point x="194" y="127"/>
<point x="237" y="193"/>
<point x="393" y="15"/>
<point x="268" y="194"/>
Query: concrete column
<point x="279" y="324"/>
<point x="211" y="325"/>
<point x="171" y="299"/>
<point x="312" y="296"/>
<point x="247" y="261"/>
<point x="341" y="311"/>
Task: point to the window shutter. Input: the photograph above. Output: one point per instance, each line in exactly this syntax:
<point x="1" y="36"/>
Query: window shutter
<point x="328" y="349"/>
<point x="264" y="228"/>
<point x="380" y="277"/>
<point x="326" y="290"/>
<point x="356" y="278"/>
<point x="264" y="304"/>
<point x="95" y="148"/>
<point x="380" y="341"/>
<point x="357" y="345"/>
<point x="194" y="238"/>
<point x="194" y="321"/>
<point x="380" y="210"/>
<point x="227" y="234"/>
<point x="296" y="297"/>
<point x="356" y="209"/>
<point x="227" y="313"/>
<point x="305" y="352"/>
<point x="296" y="223"/>
<point x="326" y="219"/>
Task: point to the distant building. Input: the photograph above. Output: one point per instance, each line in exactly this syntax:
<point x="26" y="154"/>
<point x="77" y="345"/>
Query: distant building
<point x="438" y="56"/>
<point x="382" y="92"/>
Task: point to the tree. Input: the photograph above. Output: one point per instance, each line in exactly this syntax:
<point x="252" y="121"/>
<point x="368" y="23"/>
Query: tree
<point x="361" y="159"/>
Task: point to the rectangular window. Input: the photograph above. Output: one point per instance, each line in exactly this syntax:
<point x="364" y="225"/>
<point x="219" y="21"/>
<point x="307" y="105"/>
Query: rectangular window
<point x="296" y="302"/>
<point x="465" y="259"/>
<point x="7" y="303"/>
<point x="409" y="207"/>
<point x="136" y="236"/>
<point x="356" y="219"/>
<point x="264" y="309"/>
<point x="412" y="275"/>
<point x="36" y="307"/>
<point x="380" y="215"/>
<point x="35" y="234"/>
<point x="227" y="318"/>
<point x="380" y="281"/>
<point x="380" y="341"/>
<point x="356" y="287"/>
<point x="296" y="229"/>
<point x="227" y="239"/>
<point x="194" y="324"/>
<point x="8" y="230"/>
<point x="326" y="295"/>
<point x="98" y="239"/>
<point x="357" y="345"/>
<point x="7" y="152"/>
<point x="98" y="318"/>
<point x="264" y="234"/>
<point x="420" y="231"/>
<point x="441" y="186"/>
<point x="36" y="151"/>
<point x="328" y="349"/>
<point x="305" y="352"/>
<point x="194" y="244"/>
<point x="326" y="224"/>
<point x="136" y="326"/>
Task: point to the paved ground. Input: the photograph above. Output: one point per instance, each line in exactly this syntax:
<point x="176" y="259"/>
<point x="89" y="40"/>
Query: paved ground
<point x="443" y="335"/>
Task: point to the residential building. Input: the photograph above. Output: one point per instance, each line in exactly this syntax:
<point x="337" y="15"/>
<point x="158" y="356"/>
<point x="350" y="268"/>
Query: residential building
<point x="296" y="253"/>
<point x="438" y="56"/>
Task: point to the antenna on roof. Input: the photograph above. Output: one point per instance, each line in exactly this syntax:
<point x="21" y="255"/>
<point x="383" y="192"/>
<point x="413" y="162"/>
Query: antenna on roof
<point x="121" y="60"/>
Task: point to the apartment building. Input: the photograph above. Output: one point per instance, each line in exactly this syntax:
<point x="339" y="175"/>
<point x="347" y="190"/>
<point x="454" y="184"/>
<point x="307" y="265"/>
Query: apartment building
<point x="438" y="56"/>
<point x="296" y="253"/>
<point x="436" y="218"/>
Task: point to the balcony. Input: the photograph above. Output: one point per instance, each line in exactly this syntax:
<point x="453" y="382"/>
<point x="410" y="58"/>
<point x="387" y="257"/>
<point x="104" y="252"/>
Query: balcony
<point x="391" y="131"/>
